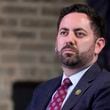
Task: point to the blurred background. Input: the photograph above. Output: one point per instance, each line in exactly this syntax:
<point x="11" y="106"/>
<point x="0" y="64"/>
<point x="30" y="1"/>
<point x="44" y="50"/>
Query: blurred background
<point x="27" y="39"/>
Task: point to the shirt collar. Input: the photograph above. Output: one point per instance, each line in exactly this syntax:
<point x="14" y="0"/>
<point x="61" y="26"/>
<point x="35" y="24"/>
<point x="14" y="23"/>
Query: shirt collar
<point x="77" y="76"/>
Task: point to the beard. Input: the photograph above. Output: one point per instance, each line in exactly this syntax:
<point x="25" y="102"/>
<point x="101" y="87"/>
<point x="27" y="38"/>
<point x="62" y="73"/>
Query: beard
<point x="73" y="58"/>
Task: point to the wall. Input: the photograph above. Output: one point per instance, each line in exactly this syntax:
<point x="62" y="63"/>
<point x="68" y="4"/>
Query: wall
<point x="27" y="38"/>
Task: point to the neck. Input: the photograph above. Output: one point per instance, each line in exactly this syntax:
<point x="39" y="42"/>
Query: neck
<point x="72" y="70"/>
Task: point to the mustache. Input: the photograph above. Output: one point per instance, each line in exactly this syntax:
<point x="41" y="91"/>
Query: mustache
<point x="69" y="47"/>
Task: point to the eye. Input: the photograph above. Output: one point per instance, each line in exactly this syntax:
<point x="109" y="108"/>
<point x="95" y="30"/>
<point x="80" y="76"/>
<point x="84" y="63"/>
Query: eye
<point x="63" y="33"/>
<point x="80" y="34"/>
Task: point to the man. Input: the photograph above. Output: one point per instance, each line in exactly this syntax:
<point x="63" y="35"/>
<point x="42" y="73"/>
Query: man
<point x="80" y="40"/>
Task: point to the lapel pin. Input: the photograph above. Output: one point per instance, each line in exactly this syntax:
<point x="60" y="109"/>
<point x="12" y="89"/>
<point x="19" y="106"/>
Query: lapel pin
<point x="78" y="92"/>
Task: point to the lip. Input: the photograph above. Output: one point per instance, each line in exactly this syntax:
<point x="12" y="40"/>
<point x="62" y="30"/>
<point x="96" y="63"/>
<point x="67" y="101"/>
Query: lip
<point x="68" y="51"/>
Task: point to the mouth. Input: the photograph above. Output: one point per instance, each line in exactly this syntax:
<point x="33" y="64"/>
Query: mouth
<point x="68" y="50"/>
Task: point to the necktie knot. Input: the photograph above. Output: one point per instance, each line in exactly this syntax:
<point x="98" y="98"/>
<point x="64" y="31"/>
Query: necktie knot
<point x="67" y="82"/>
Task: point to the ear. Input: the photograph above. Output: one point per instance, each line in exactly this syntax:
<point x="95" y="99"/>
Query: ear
<point x="55" y="49"/>
<point x="56" y="46"/>
<point x="100" y="43"/>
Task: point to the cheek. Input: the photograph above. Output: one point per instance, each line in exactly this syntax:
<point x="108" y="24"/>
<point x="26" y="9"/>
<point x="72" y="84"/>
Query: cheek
<point x="59" y="43"/>
<point x="83" y="47"/>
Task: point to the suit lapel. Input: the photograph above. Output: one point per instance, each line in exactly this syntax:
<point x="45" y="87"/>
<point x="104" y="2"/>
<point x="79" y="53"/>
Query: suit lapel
<point x="82" y="87"/>
<point x="49" y="92"/>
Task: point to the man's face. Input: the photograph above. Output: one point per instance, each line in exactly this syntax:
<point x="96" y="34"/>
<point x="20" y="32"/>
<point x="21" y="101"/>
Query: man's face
<point x="75" y="43"/>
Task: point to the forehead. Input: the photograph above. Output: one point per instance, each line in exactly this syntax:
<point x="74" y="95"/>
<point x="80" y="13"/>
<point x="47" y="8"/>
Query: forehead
<point x="75" y="19"/>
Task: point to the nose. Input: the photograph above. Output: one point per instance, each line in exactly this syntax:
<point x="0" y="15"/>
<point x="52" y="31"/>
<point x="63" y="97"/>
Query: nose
<point x="70" y="39"/>
<point x="69" y="43"/>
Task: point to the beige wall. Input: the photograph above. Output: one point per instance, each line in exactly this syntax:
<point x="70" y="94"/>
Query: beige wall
<point x="27" y="35"/>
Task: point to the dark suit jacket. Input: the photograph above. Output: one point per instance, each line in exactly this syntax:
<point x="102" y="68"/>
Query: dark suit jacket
<point x="95" y="92"/>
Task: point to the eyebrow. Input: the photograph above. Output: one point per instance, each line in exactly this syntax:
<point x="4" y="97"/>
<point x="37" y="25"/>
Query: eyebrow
<point x="80" y="29"/>
<point x="65" y="29"/>
<point x="76" y="29"/>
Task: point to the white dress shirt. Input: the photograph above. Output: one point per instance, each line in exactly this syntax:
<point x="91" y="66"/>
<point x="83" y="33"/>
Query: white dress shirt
<point x="74" y="79"/>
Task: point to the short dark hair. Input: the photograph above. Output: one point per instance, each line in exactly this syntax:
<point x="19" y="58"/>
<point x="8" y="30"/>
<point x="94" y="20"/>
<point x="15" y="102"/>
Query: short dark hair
<point x="97" y="22"/>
